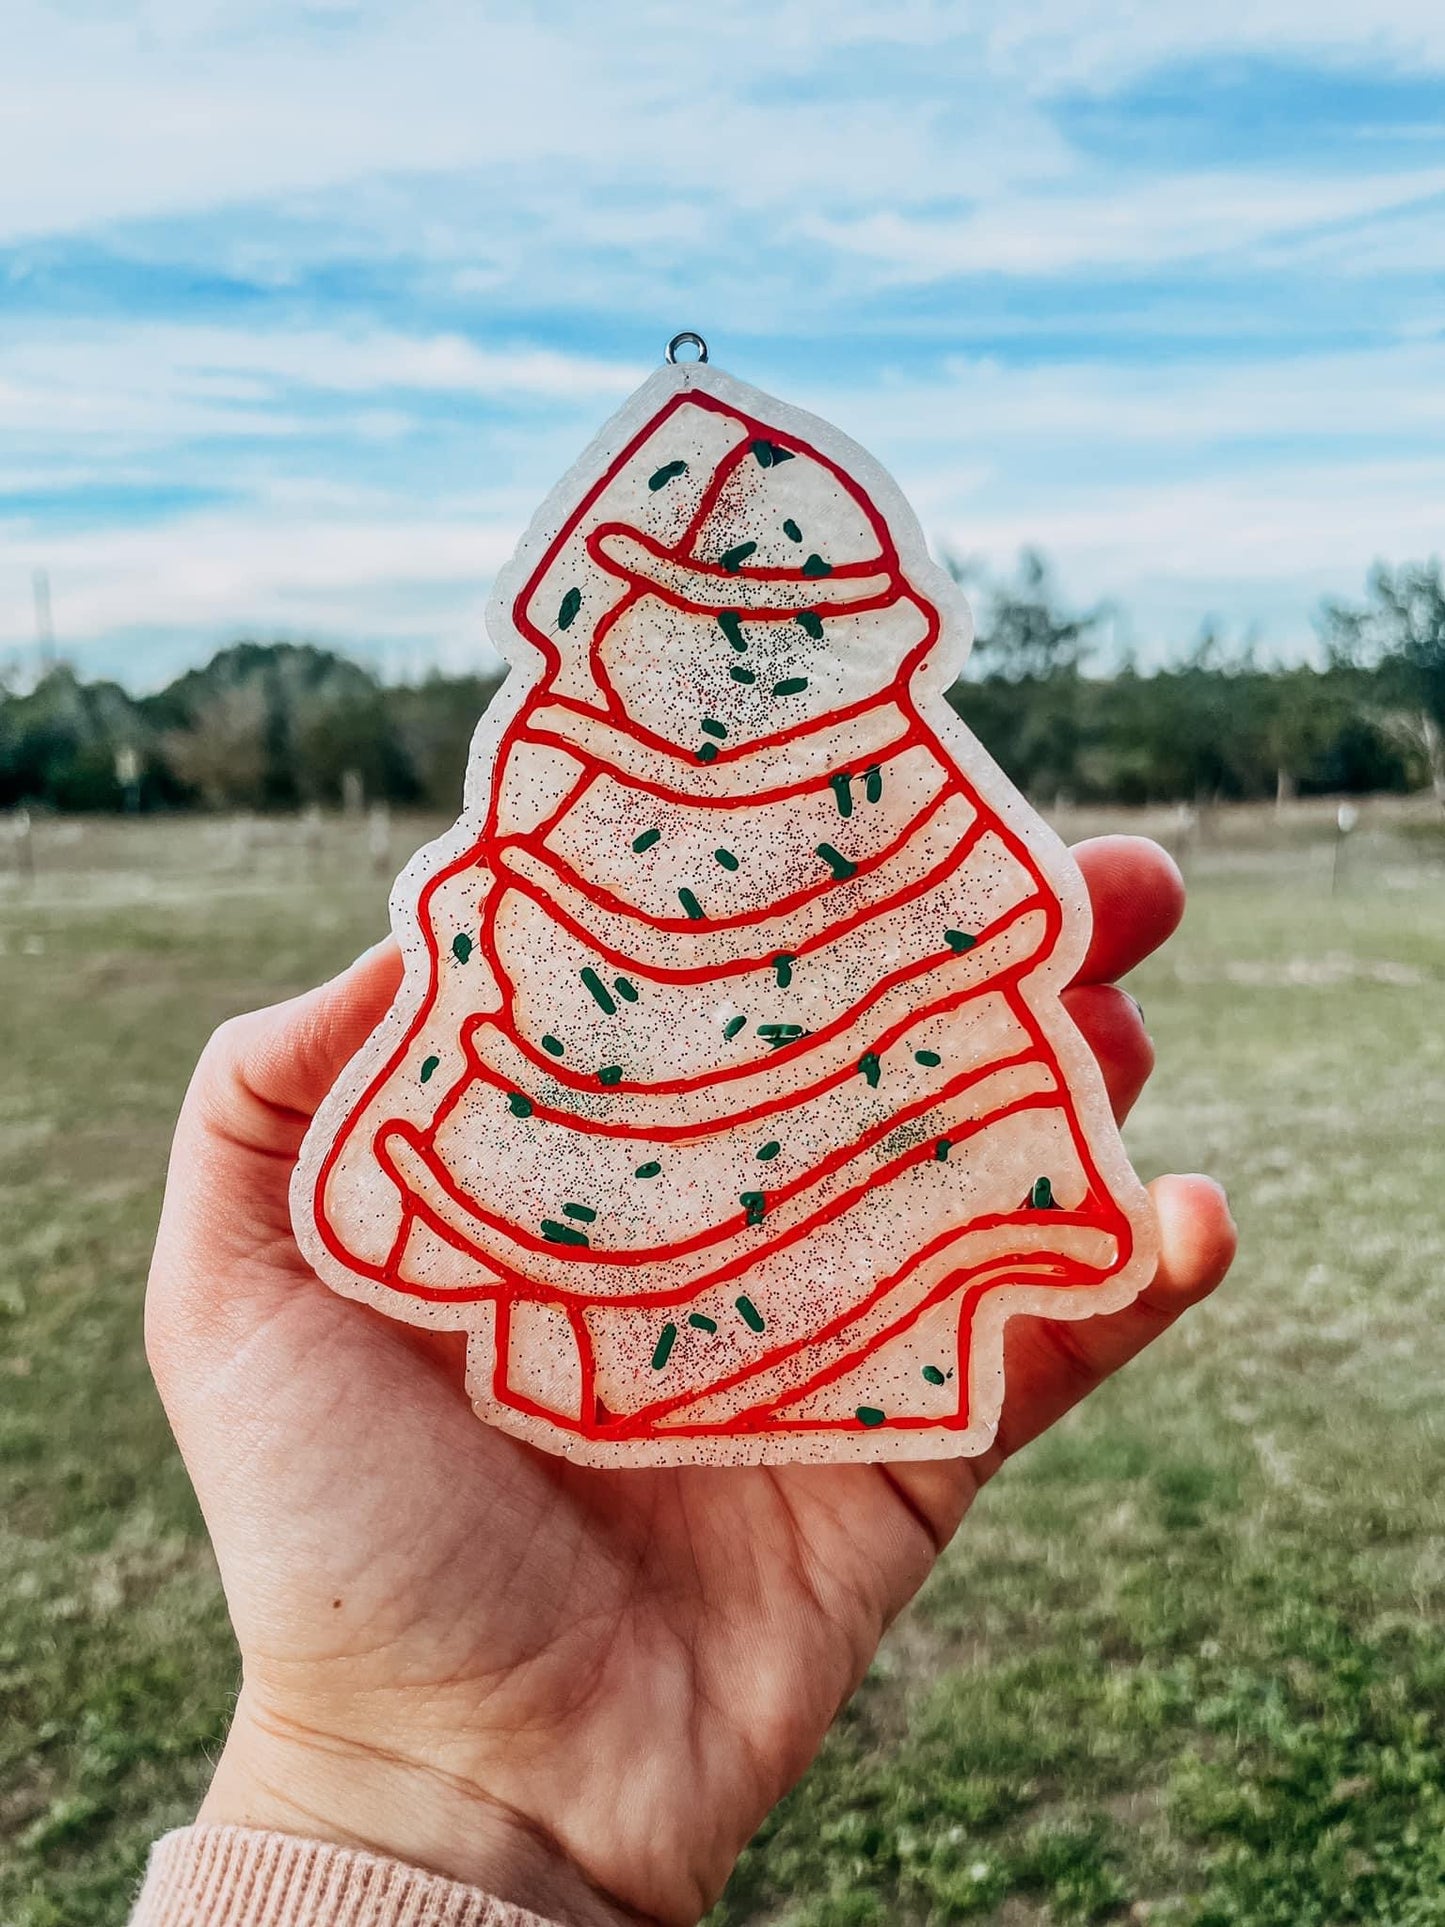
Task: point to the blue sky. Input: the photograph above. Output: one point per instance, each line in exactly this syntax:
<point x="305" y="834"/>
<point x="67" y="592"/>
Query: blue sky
<point x="304" y="307"/>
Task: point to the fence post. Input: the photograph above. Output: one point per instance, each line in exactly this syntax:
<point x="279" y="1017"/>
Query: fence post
<point x="22" y="835"/>
<point x="1346" y="817"/>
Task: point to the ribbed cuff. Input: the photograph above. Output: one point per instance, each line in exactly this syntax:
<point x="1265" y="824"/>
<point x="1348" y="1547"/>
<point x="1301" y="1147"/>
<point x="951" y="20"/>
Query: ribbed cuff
<point x="234" y="1877"/>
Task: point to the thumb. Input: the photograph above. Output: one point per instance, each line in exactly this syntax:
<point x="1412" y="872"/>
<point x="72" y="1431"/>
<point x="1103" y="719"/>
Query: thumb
<point x="264" y="1074"/>
<point x="224" y="1248"/>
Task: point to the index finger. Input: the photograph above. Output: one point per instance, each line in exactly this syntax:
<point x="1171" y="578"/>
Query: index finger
<point x="1137" y="895"/>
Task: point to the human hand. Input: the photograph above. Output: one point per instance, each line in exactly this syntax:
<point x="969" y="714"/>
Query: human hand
<point x="581" y="1690"/>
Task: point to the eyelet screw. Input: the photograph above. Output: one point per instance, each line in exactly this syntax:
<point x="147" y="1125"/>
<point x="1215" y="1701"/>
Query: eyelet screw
<point x="687" y="339"/>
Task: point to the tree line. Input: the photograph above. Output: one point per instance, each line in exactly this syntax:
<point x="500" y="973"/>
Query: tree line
<point x="282" y="726"/>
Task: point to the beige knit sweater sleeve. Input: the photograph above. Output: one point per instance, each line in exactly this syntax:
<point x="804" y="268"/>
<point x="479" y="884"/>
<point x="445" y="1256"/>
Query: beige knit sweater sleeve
<point x="233" y="1877"/>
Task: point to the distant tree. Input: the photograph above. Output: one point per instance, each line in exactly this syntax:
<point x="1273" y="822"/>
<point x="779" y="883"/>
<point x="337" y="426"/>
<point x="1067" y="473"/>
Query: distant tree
<point x="336" y="732"/>
<point x="1297" y="715"/>
<point x="1215" y="725"/>
<point x="59" y="741"/>
<point x="1022" y="692"/>
<point x="1022" y="635"/>
<point x="273" y="725"/>
<point x="222" y="754"/>
<point x="435" y="721"/>
<point x="277" y="725"/>
<point x="1400" y="633"/>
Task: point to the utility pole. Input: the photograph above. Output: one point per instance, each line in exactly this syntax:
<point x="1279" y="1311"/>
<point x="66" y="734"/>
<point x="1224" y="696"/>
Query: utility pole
<point x="44" y="626"/>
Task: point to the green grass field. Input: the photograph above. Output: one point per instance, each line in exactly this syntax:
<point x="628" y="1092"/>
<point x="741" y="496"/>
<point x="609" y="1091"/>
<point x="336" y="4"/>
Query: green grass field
<point x="1184" y="1663"/>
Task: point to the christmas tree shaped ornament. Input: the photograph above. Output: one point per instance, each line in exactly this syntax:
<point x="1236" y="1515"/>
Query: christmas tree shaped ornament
<point x="728" y="1104"/>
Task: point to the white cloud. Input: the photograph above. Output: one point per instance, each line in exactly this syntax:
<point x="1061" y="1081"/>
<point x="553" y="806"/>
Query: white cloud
<point x="153" y="384"/>
<point x="145" y="110"/>
<point x="805" y="157"/>
<point x="1099" y="42"/>
<point x="1248" y="491"/>
<point x="1195" y="408"/>
<point x="120" y="122"/>
<point x="1321" y="524"/>
<point x="1180" y="218"/>
<point x="1170" y="553"/>
<point x="417" y="580"/>
<point x="357" y="565"/>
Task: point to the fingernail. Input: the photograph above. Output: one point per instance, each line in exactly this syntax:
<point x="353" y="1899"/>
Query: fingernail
<point x="1139" y="1007"/>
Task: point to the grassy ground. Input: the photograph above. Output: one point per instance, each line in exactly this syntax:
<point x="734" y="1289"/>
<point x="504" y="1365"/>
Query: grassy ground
<point x="1182" y="1666"/>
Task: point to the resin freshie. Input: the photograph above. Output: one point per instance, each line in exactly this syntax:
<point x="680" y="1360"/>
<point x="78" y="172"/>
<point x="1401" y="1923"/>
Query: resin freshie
<point x="728" y="1105"/>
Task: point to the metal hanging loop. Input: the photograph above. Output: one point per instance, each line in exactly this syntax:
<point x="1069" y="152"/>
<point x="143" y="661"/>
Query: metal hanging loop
<point x="687" y="339"/>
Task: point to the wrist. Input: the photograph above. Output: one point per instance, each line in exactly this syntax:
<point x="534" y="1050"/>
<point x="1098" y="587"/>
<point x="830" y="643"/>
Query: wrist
<point x="276" y="1775"/>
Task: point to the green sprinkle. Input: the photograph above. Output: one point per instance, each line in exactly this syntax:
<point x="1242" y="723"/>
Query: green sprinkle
<point x="667" y="473"/>
<point x="519" y="1105"/>
<point x="942" y="1149"/>
<point x="769" y="454"/>
<point x="648" y="1170"/>
<point x="869" y="1067"/>
<point x="610" y="1074"/>
<point x="1041" y="1198"/>
<point x="815" y="565"/>
<point x="928" y="1058"/>
<point x="690" y="903"/>
<point x="783" y="965"/>
<point x="811" y="624"/>
<point x="583" y="1213"/>
<point x="842" y="788"/>
<point x="959" y="941"/>
<point x="461" y="946"/>
<point x="701" y="1323"/>
<point x="725" y="858"/>
<point x="873" y="789"/>
<point x="562" y="1234"/>
<point x="757" y="1204"/>
<point x="792" y="531"/>
<point x="933" y="1375"/>
<point x="646" y="840"/>
<point x="625" y="989"/>
<point x="601" y="996"/>
<point x="790" y="686"/>
<point x="428" y="1067"/>
<point x="838" y="863"/>
<point x="666" y="1339"/>
<point x="768" y="1151"/>
<point x="742" y="675"/>
<point x="571" y="604"/>
<point x="712" y="727"/>
<point x="553" y="1045"/>
<point x="731" y="624"/>
<point x="870" y="1415"/>
<point x="750" y="1314"/>
<point x="733" y="1026"/>
<point x="708" y="753"/>
<point x="735" y="558"/>
<point x="776" y="1034"/>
